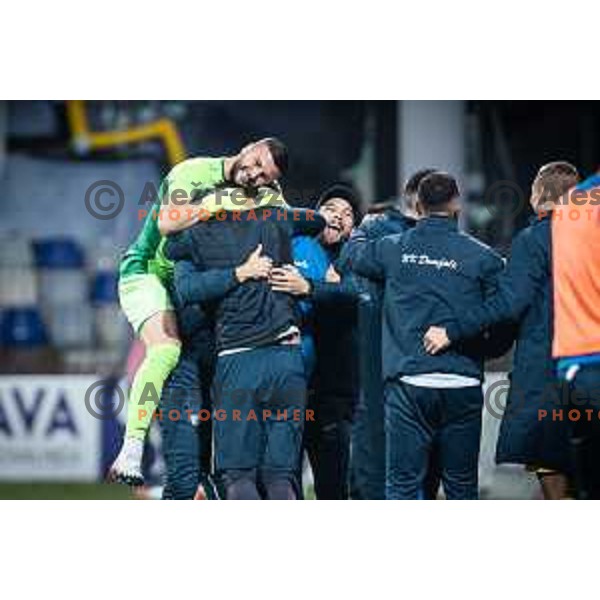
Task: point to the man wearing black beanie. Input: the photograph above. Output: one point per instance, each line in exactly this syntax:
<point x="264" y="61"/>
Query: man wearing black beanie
<point x="329" y="338"/>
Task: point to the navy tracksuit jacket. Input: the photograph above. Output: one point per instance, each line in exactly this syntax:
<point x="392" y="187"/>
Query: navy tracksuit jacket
<point x="524" y="296"/>
<point x="251" y="315"/>
<point x="430" y="272"/>
<point x="367" y="479"/>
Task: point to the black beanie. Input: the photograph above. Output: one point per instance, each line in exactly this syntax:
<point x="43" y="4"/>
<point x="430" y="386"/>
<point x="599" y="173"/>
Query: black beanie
<point x="346" y="192"/>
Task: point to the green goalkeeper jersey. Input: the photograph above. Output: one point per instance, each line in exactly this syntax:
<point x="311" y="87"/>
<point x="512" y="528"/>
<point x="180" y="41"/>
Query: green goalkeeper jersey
<point x="195" y="176"/>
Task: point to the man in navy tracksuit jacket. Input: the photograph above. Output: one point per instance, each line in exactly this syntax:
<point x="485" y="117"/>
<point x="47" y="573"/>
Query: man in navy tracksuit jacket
<point x="428" y="272"/>
<point x="186" y="442"/>
<point x="259" y="371"/>
<point x="524" y="296"/>
<point x="368" y="432"/>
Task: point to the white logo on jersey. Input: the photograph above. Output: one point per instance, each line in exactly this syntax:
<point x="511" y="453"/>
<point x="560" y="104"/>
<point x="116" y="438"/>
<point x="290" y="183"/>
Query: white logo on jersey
<point x="425" y="260"/>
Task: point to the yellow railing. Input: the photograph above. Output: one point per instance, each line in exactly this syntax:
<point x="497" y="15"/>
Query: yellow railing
<point x="163" y="129"/>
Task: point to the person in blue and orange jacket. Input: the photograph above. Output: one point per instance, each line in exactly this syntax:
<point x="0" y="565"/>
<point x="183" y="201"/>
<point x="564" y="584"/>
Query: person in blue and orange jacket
<point x="576" y="346"/>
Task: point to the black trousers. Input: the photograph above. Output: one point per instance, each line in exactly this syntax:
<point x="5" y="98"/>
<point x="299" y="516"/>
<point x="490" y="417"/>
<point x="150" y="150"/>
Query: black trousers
<point x="367" y="463"/>
<point x="327" y="444"/>
<point x="584" y="416"/>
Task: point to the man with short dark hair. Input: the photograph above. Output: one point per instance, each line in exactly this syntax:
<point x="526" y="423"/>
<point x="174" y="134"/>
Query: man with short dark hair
<point x="429" y="270"/>
<point x="368" y="433"/>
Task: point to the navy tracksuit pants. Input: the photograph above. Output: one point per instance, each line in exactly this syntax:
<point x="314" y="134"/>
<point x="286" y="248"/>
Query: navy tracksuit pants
<point x="186" y="433"/>
<point x="420" y="420"/>
<point x="259" y="400"/>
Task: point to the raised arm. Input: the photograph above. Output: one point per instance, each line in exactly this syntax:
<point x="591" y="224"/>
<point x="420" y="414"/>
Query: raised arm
<point x="194" y="286"/>
<point x="364" y="257"/>
<point x="508" y="295"/>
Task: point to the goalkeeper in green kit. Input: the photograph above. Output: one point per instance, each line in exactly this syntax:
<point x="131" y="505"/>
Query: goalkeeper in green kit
<point x="145" y="274"/>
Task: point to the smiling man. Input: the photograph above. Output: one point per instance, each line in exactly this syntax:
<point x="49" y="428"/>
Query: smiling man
<point x="328" y="304"/>
<point x="145" y="274"/>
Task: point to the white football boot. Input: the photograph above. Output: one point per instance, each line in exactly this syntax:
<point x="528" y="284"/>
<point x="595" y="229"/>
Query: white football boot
<point x="127" y="468"/>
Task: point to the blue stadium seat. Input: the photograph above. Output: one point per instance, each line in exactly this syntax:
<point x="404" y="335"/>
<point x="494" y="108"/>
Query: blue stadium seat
<point x="22" y="327"/>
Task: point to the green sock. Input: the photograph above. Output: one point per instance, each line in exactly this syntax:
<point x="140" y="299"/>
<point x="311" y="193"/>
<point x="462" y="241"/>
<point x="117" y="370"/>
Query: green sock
<point x="147" y="386"/>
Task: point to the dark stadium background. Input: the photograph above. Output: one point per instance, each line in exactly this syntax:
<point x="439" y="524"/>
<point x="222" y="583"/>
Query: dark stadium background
<point x="60" y="327"/>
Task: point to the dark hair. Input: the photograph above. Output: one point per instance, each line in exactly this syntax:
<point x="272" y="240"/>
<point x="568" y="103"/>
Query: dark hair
<point x="348" y="193"/>
<point x="412" y="183"/>
<point x="555" y="179"/>
<point x="279" y="153"/>
<point x="437" y="189"/>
